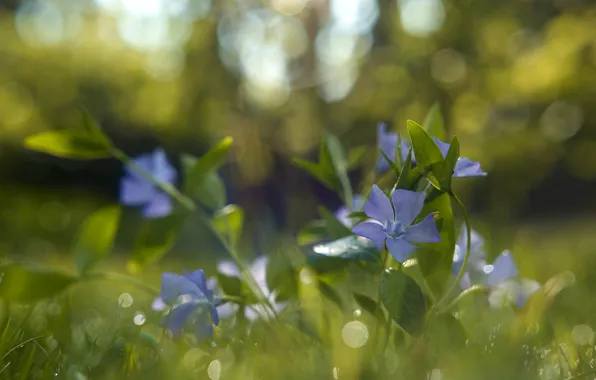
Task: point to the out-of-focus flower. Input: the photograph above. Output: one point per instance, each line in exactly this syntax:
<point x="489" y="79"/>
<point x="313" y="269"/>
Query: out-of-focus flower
<point x="191" y="303"/>
<point x="388" y="144"/>
<point x="505" y="284"/>
<point x="464" y="167"/>
<point x="391" y="224"/>
<point x="474" y="270"/>
<point x="258" y="269"/>
<point x="136" y="190"/>
<point x="342" y="213"/>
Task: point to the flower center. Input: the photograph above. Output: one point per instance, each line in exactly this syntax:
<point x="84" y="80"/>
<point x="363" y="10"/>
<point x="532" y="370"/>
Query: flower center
<point x="394" y="229"/>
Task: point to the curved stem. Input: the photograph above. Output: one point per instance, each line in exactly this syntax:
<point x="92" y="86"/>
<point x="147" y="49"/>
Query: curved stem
<point x="189" y="204"/>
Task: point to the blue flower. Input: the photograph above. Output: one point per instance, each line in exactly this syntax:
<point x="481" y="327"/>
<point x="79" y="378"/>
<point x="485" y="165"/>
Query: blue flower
<point x="388" y="144"/>
<point x="135" y="190"/>
<point x="475" y="268"/>
<point x="342" y="213"/>
<point x="464" y="167"/>
<point x="191" y="301"/>
<point x="391" y="224"/>
<point x="505" y="284"/>
<point x="258" y="269"/>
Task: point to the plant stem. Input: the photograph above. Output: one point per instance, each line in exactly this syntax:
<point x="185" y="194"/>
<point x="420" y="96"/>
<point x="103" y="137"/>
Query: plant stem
<point x="189" y="204"/>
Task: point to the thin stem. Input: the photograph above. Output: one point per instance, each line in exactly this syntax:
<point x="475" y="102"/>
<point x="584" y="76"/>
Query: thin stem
<point x="378" y="311"/>
<point x="462" y="295"/>
<point x="189" y="204"/>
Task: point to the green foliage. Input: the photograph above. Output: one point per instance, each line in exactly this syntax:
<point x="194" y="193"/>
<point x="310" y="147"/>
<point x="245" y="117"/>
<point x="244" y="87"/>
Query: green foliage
<point x="368" y="304"/>
<point x="70" y="143"/>
<point x="334" y="228"/>
<point x="96" y="237"/>
<point x="403" y="299"/>
<point x="426" y="151"/>
<point x="434" y="124"/>
<point x="229" y="222"/>
<point x="26" y="283"/>
<point x="352" y="248"/>
<point x="443" y="171"/>
<point x="281" y="276"/>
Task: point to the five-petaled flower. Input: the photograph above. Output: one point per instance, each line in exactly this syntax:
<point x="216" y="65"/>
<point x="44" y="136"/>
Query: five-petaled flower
<point x="505" y="283"/>
<point x="136" y="190"/>
<point x="388" y="144"/>
<point x="464" y="167"/>
<point x="258" y="270"/>
<point x="192" y="303"/>
<point x="391" y="224"/>
<point x="475" y="268"/>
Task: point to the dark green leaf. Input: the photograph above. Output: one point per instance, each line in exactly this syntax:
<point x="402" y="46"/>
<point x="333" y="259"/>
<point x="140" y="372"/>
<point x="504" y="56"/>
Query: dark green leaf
<point x="96" y="237"/>
<point x="70" y="143"/>
<point x="434" y="124"/>
<point x="229" y="222"/>
<point x="391" y="163"/>
<point x="156" y="238"/>
<point x="26" y="283"/>
<point x="94" y="129"/>
<point x="409" y="177"/>
<point x="446" y="334"/>
<point x="425" y="149"/>
<point x="357" y="215"/>
<point x="317" y="171"/>
<point x="368" y="304"/>
<point x="354" y="248"/>
<point x="231" y="286"/>
<point x="201" y="173"/>
<point x="331" y="294"/>
<point x="404" y="300"/>
<point x="443" y="171"/>
<point x="281" y="277"/>
<point x="326" y="264"/>
<point x="340" y="166"/>
<point x="435" y="260"/>
<point x="313" y="232"/>
<point x="335" y="229"/>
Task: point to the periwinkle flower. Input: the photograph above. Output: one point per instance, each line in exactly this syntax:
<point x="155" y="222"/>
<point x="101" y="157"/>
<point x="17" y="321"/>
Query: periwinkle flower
<point x="191" y="302"/>
<point x="505" y="284"/>
<point x="464" y="167"/>
<point x="342" y="213"/>
<point x="474" y="270"/>
<point x="136" y="190"/>
<point x="258" y="270"/>
<point x="391" y="222"/>
<point x="388" y="144"/>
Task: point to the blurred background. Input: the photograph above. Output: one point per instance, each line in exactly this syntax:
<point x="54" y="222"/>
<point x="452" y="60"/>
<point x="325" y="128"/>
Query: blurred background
<point x="516" y="80"/>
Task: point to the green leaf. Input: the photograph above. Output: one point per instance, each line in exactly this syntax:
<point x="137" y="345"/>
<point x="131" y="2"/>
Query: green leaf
<point x="435" y="260"/>
<point x="317" y="171"/>
<point x="26" y="283"/>
<point x="446" y="334"/>
<point x="70" y="143"/>
<point x="202" y="181"/>
<point x="229" y="222"/>
<point x="404" y="300"/>
<point x="155" y="239"/>
<point x="443" y="171"/>
<point x="281" y="277"/>
<point x="391" y="163"/>
<point x="356" y="156"/>
<point x="340" y="166"/>
<point x="231" y="285"/>
<point x="331" y="294"/>
<point x="335" y="229"/>
<point x="426" y="150"/>
<point x="94" y="129"/>
<point x="96" y="237"/>
<point x="368" y="304"/>
<point x="313" y="232"/>
<point x="434" y="124"/>
<point x="352" y="248"/>
<point x="409" y="177"/>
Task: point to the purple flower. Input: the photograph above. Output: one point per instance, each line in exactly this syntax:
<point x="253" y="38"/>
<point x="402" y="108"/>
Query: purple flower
<point x="464" y="167"/>
<point x="191" y="303"/>
<point x="388" y="144"/>
<point x="474" y="270"/>
<point x="135" y="190"/>
<point x="391" y="224"/>
<point x="505" y="284"/>
<point x="342" y="213"/>
<point x="258" y="270"/>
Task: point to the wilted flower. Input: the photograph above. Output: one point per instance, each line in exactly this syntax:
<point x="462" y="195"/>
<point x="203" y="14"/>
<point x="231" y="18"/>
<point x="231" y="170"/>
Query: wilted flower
<point x="505" y="284"/>
<point x="464" y="167"/>
<point x="342" y="213"/>
<point x="191" y="303"/>
<point x="258" y="270"/>
<point x="136" y="190"/>
<point x="388" y="144"/>
<point x="391" y="222"/>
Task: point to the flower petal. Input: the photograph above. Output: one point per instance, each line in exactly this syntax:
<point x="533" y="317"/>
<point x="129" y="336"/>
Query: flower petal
<point x="145" y="161"/>
<point x="399" y="248"/>
<point x="443" y="147"/>
<point x="214" y="316"/>
<point x="372" y="231"/>
<point x="178" y="316"/>
<point x="503" y="268"/>
<point x="408" y="205"/>
<point x="174" y="285"/>
<point x="199" y="279"/>
<point x="527" y="288"/>
<point x="464" y="167"/>
<point x="162" y="170"/>
<point x="378" y="206"/>
<point x="227" y="310"/>
<point x="159" y="206"/>
<point x="204" y="329"/>
<point x="258" y="269"/>
<point x="423" y="232"/>
<point x="158" y="304"/>
<point x="229" y="268"/>
<point x="135" y="192"/>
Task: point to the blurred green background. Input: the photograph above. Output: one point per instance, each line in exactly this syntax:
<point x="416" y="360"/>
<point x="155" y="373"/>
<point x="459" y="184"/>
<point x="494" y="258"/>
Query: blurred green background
<point x="516" y="80"/>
